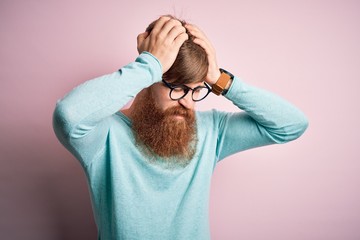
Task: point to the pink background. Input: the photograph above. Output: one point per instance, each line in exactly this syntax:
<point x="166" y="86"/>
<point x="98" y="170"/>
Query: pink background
<point x="306" y="51"/>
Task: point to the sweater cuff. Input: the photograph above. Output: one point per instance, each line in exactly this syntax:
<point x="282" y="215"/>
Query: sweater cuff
<point x="234" y="89"/>
<point x="154" y="65"/>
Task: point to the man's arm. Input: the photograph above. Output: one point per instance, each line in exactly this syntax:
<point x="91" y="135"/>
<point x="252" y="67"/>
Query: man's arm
<point x="267" y="118"/>
<point x="85" y="108"/>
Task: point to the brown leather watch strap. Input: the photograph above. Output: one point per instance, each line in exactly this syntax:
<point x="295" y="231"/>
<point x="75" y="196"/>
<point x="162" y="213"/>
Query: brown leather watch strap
<point x="221" y="83"/>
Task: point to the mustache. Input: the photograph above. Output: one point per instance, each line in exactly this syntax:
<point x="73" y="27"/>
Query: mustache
<point x="178" y="110"/>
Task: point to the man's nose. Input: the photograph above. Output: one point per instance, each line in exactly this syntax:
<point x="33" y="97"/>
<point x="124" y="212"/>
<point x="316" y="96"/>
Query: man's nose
<point x="187" y="101"/>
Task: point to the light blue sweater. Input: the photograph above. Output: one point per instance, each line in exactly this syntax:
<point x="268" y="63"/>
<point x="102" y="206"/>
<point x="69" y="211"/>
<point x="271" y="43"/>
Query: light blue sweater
<point x="135" y="199"/>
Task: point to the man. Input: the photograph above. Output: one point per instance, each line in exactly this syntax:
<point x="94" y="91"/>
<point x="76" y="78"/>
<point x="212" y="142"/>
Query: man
<point x="149" y="166"/>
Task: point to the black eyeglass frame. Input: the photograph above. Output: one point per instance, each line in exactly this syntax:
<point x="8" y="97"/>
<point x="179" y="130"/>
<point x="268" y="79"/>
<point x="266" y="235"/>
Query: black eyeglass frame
<point x="186" y="90"/>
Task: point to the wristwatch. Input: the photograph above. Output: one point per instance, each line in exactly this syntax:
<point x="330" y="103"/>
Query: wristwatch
<point x="219" y="87"/>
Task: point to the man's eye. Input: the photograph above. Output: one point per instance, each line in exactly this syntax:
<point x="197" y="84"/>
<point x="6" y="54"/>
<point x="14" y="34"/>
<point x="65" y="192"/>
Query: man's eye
<point x="178" y="89"/>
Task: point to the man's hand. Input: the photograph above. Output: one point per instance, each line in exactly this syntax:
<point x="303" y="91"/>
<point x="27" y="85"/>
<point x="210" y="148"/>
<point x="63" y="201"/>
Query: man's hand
<point x="164" y="41"/>
<point x="201" y="39"/>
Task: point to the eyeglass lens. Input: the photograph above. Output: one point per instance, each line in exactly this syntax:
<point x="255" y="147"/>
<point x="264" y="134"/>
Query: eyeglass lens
<point x="197" y="94"/>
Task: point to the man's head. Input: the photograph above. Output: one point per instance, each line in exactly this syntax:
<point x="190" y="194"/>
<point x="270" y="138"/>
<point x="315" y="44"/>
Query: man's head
<point x="162" y="125"/>
<point x="191" y="64"/>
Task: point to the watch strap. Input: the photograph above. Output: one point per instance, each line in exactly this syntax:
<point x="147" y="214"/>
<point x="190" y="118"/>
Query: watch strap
<point x="219" y="87"/>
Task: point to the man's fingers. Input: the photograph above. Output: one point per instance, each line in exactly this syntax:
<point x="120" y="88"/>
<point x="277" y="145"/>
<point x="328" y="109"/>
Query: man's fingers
<point x="170" y="31"/>
<point x="168" y="27"/>
<point x="159" y="24"/>
<point x="175" y="32"/>
<point x="192" y="28"/>
<point x="203" y="44"/>
<point x="200" y="38"/>
<point x="195" y="31"/>
<point x="141" y="37"/>
<point x="180" y="39"/>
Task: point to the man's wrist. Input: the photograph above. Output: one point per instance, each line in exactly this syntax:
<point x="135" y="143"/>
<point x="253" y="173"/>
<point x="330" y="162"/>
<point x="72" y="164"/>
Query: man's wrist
<point x="223" y="84"/>
<point x="155" y="66"/>
<point x="228" y="85"/>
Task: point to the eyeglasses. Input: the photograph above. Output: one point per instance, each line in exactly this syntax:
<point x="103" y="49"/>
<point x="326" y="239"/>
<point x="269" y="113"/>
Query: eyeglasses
<point x="178" y="92"/>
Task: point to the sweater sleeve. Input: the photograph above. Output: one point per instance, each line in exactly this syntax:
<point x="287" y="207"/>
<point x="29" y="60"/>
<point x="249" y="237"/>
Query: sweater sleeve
<point x="266" y="119"/>
<point x="88" y="105"/>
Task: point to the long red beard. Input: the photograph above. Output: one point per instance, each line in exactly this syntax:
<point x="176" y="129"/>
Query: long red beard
<point x="162" y="133"/>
